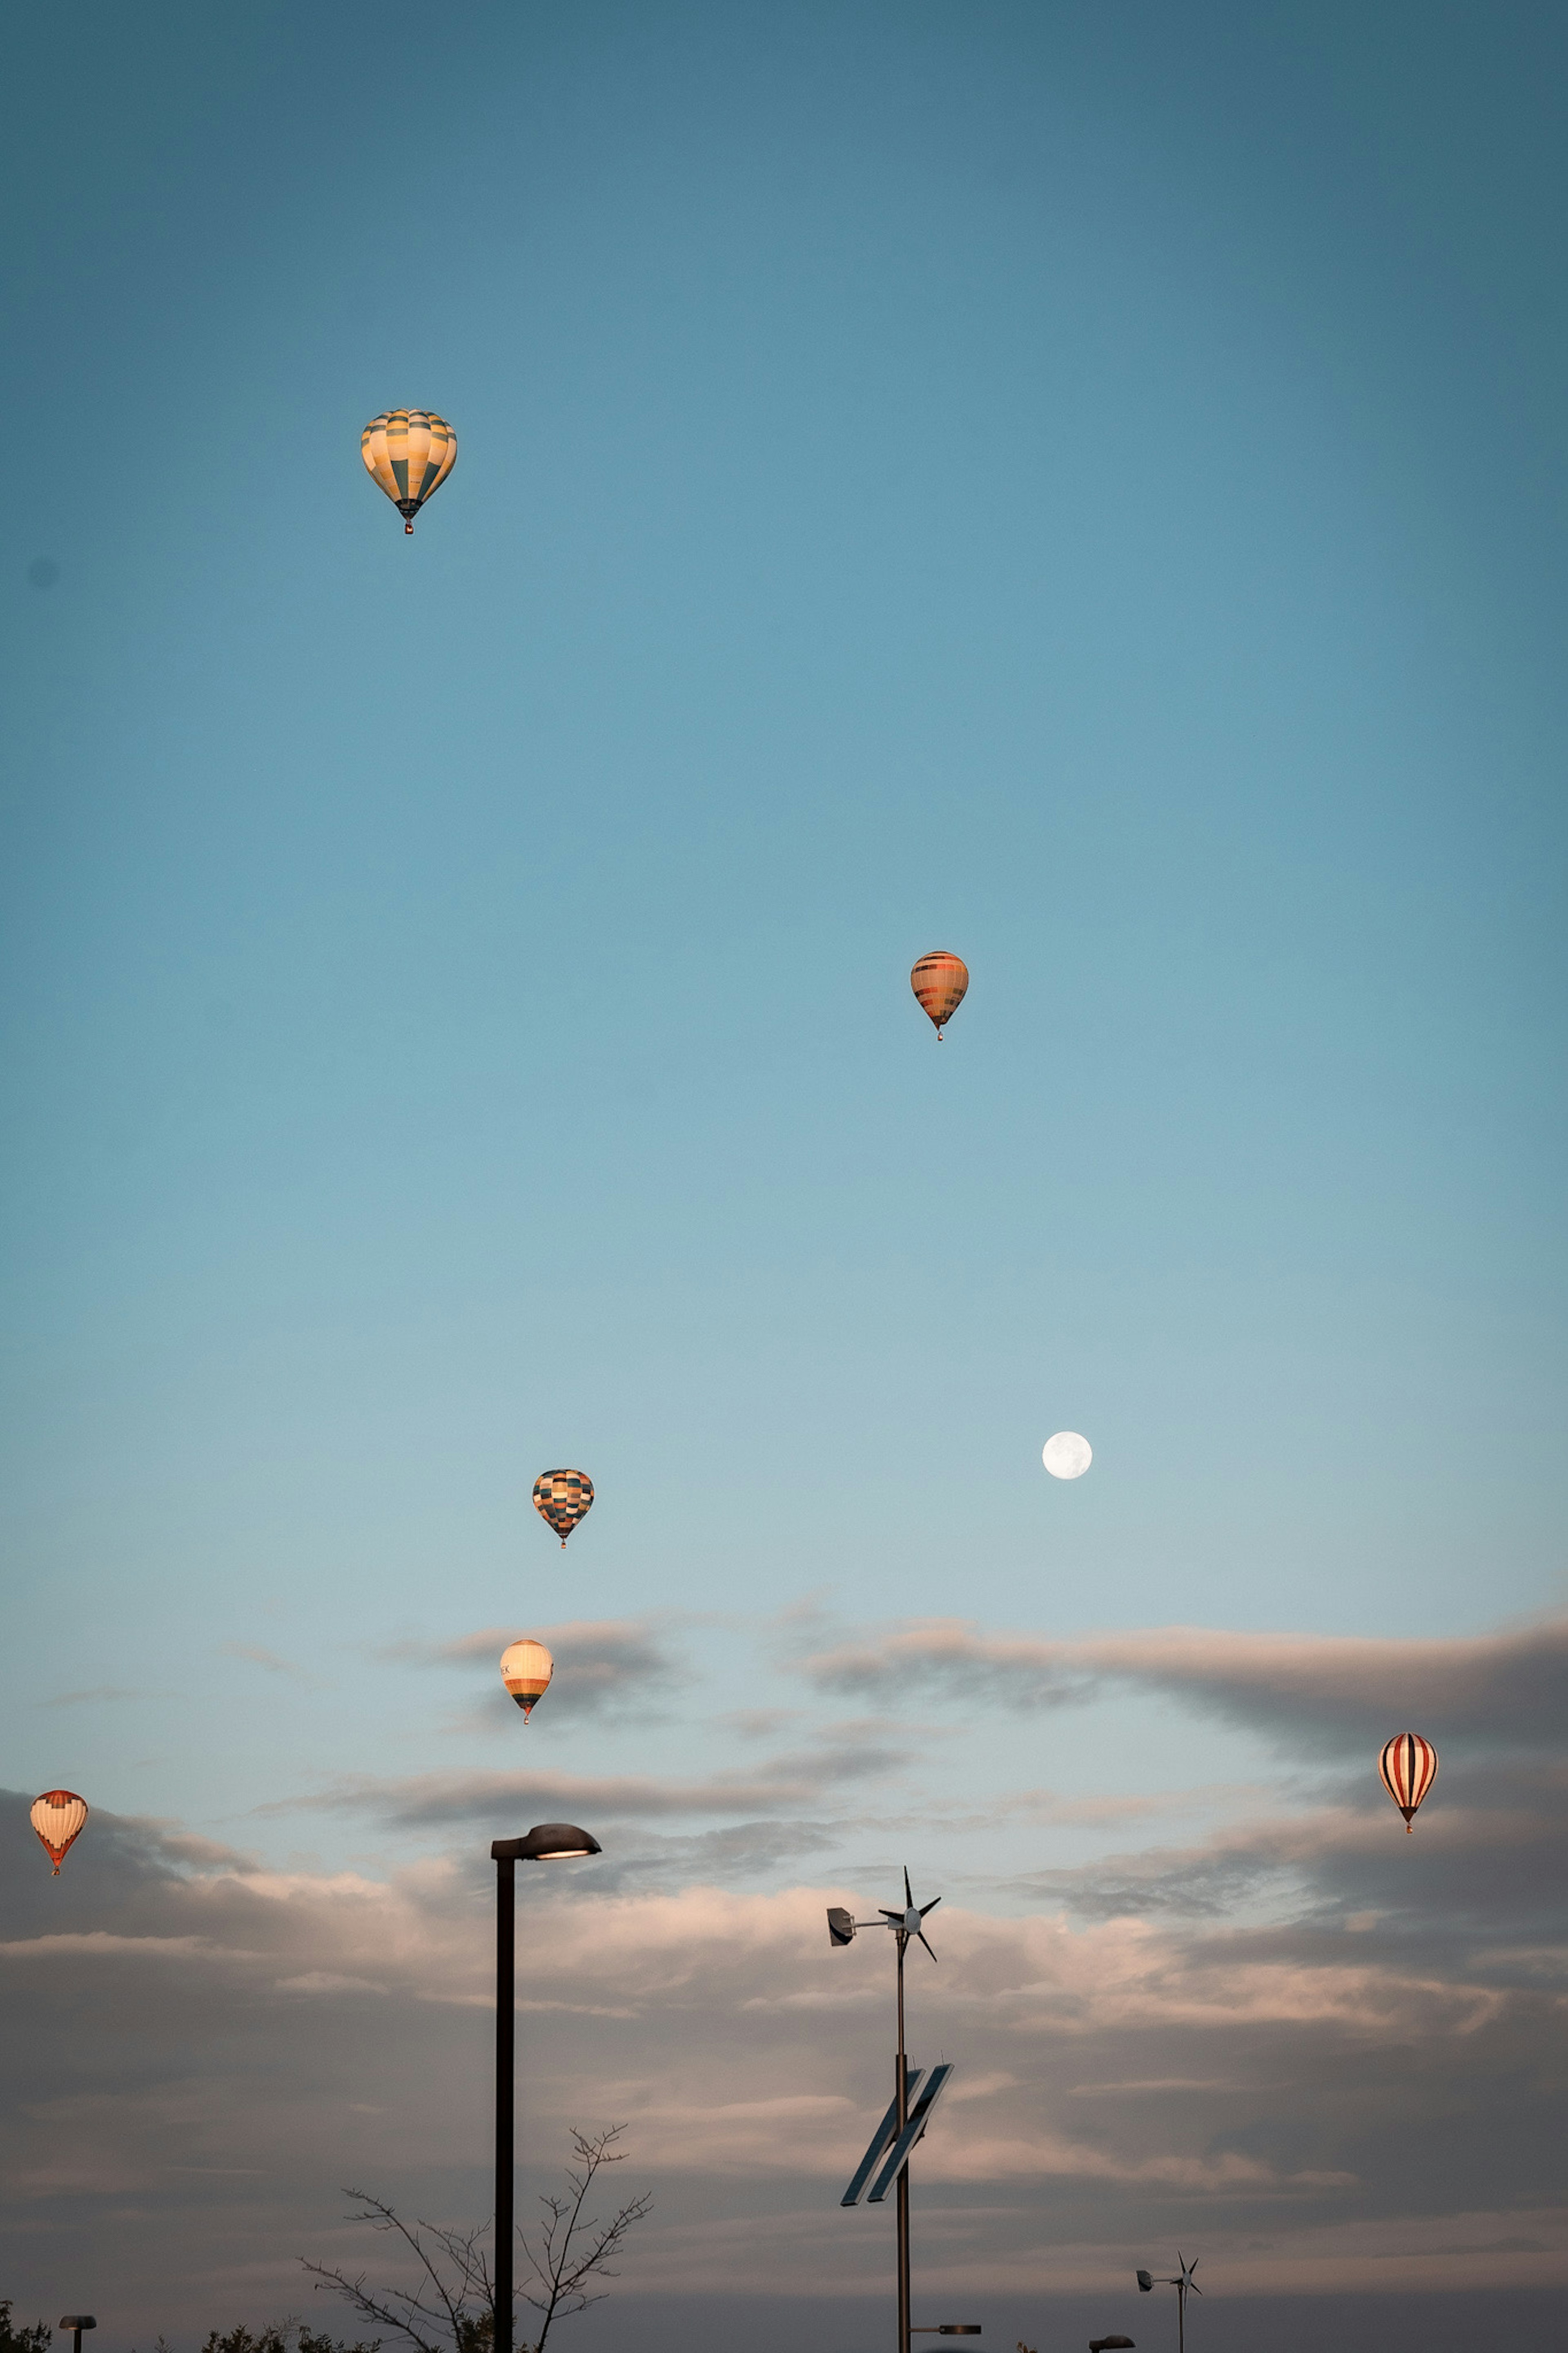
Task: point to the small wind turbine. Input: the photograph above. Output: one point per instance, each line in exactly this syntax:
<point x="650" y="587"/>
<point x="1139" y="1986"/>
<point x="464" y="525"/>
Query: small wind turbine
<point x="900" y="2129"/>
<point x="1181" y="2283"/>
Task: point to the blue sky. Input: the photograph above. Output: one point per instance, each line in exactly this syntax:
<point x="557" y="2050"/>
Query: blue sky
<point x="1080" y="488"/>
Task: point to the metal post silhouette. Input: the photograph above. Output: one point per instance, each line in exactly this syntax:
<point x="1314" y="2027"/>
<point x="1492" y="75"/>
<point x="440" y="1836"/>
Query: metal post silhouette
<point x="900" y="2129"/>
<point x="506" y="2030"/>
<point x="546" y="1843"/>
<point x="901" y="2208"/>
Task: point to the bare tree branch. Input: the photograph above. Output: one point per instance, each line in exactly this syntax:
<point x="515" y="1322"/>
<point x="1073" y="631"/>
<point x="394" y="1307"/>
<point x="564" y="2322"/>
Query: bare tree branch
<point x="452" y="2309"/>
<point x="564" y="2263"/>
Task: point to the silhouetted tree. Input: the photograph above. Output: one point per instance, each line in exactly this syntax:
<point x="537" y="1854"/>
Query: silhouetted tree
<point x="21" y="2340"/>
<point x="452" y="2309"/>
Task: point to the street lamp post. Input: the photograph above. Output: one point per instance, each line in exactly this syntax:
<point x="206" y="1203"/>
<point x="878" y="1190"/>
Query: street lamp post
<point x="76" y="2322"/>
<point x="546" y="1843"/>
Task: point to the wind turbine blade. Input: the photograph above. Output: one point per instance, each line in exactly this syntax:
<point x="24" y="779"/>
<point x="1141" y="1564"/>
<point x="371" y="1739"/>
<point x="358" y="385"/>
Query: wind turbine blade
<point x="920" y="1934"/>
<point x="930" y="1907"/>
<point x="908" y="1899"/>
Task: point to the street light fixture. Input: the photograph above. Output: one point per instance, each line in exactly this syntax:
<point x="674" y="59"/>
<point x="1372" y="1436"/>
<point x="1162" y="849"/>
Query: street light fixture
<point x="546" y="1843"/>
<point x="78" y="2321"/>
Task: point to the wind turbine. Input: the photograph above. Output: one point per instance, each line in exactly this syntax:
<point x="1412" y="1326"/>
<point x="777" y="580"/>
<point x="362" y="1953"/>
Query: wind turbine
<point x="1181" y="2283"/>
<point x="899" y="2131"/>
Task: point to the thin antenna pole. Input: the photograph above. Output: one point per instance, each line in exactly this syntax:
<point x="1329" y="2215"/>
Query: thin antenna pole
<point x="901" y="2095"/>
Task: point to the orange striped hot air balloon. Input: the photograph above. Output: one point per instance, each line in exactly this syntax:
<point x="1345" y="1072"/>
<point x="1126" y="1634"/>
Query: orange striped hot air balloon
<point x="526" y="1667"/>
<point x="1409" y="1766"/>
<point x="939" y="982"/>
<point x="563" y="1497"/>
<point x="408" y="453"/>
<point x="58" y="1816"/>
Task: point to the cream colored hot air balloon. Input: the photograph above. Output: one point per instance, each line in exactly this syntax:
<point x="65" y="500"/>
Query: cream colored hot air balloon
<point x="526" y="1667"/>
<point x="408" y="453"/>
<point x="58" y="1816"/>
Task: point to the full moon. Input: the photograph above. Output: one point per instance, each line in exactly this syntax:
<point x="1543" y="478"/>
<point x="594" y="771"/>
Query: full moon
<point x="1067" y="1455"/>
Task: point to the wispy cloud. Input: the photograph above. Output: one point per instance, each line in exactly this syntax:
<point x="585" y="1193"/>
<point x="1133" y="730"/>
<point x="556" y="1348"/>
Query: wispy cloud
<point x="778" y="1784"/>
<point x="1507" y="1688"/>
<point x="1121" y="2077"/>
<point x="269" y="1662"/>
<point x="83" y="1698"/>
<point x="597" y="1661"/>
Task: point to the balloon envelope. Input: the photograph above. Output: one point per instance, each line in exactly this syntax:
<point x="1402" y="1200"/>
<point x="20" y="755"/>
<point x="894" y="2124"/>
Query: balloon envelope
<point x="1409" y="1766"/>
<point x="408" y="453"/>
<point x="563" y="1497"/>
<point x="526" y="1667"/>
<point x="58" y="1816"/>
<point x="939" y="982"/>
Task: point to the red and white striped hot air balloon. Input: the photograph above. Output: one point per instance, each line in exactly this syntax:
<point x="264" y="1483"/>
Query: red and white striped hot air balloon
<point x="58" y="1816"/>
<point x="939" y="981"/>
<point x="526" y="1667"/>
<point x="1409" y="1766"/>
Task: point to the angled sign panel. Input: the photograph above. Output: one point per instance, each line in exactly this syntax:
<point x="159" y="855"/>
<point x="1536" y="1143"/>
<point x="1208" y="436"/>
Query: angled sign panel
<point x="920" y="2116"/>
<point x="881" y="2140"/>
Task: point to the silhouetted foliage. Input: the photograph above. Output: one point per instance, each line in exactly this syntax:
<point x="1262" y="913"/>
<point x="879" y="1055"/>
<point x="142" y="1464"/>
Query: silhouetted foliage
<point x="21" y="2340"/>
<point x="276" y="2336"/>
<point x="452" y="2310"/>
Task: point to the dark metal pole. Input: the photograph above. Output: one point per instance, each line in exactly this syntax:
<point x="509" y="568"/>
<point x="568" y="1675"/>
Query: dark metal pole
<point x="1180" y="2316"/>
<point x="506" y="2016"/>
<point x="902" y="2093"/>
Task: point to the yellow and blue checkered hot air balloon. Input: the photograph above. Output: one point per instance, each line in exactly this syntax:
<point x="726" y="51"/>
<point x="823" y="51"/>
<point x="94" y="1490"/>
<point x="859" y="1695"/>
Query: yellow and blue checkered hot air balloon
<point x="563" y="1497"/>
<point x="408" y="453"/>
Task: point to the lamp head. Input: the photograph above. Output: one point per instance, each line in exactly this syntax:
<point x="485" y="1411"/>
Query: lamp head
<point x="546" y="1843"/>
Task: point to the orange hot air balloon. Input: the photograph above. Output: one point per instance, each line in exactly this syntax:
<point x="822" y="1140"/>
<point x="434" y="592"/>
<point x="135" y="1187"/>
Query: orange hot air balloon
<point x="563" y="1497"/>
<point x="939" y="981"/>
<point x="58" y="1816"/>
<point x="1409" y="1766"/>
<point x="526" y="1667"/>
<point x="408" y="453"/>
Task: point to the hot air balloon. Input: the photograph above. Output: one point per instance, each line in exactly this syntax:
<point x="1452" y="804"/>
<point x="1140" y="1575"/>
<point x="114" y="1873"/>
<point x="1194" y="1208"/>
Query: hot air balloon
<point x="563" y="1497"/>
<point x="408" y="453"/>
<point x="939" y="981"/>
<point x="1409" y="1766"/>
<point x="526" y="1667"/>
<point x="58" y="1816"/>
